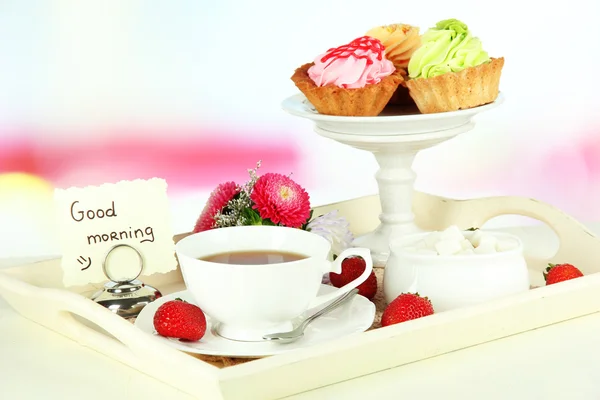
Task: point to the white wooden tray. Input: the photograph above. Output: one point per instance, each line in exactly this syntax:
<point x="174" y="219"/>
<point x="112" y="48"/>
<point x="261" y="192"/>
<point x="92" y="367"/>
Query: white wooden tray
<point x="37" y="293"/>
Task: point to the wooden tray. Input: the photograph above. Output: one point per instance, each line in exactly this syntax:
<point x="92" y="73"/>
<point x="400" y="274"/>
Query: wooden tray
<point x="37" y="293"/>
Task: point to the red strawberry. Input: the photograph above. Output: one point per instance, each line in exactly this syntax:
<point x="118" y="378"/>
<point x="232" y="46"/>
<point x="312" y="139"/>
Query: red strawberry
<point x="405" y="307"/>
<point x="180" y="319"/>
<point x="560" y="272"/>
<point x="352" y="268"/>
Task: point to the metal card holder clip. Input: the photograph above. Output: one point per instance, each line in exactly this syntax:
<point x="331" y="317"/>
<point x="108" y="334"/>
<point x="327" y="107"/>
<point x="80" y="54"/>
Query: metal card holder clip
<point x="125" y="297"/>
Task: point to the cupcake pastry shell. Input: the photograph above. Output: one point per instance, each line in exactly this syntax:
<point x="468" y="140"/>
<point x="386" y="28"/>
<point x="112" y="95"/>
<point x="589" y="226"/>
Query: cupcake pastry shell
<point x="369" y="100"/>
<point x="452" y="91"/>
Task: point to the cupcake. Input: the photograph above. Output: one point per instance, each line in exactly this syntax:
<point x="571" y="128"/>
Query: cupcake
<point x="400" y="42"/>
<point x="451" y="71"/>
<point x="355" y="79"/>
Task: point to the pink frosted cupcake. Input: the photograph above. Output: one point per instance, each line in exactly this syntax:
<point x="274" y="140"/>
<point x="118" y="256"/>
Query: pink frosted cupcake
<point x="355" y="79"/>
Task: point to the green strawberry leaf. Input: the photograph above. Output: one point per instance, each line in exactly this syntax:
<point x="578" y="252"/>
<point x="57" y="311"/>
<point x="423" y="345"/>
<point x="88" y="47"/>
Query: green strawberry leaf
<point x="550" y="266"/>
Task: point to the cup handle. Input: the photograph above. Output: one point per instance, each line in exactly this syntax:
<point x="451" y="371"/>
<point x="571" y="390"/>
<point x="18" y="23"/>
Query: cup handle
<point x="336" y="267"/>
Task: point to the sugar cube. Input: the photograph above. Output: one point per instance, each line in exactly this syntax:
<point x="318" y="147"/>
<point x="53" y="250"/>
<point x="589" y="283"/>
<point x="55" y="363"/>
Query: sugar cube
<point x="466" y="244"/>
<point x="475" y="238"/>
<point x="431" y="239"/>
<point x="421" y="244"/>
<point x="452" y="233"/>
<point x="447" y="247"/>
<point x="466" y="252"/>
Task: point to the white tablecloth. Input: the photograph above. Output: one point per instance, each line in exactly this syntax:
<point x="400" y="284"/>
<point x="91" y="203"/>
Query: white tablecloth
<point x="557" y="362"/>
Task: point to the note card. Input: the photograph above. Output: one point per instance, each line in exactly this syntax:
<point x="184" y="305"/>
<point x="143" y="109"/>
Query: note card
<point x="94" y="219"/>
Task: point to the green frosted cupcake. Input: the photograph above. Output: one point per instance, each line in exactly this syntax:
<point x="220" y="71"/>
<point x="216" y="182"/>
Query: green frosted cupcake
<point x="451" y="70"/>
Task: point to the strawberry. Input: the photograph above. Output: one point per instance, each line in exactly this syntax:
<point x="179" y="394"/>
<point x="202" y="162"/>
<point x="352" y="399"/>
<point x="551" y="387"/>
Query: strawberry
<point x="181" y="320"/>
<point x="560" y="272"/>
<point x="406" y="307"/>
<point x="352" y="268"/>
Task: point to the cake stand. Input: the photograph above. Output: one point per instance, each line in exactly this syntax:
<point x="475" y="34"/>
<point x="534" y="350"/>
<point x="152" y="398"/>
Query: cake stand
<point x="394" y="137"/>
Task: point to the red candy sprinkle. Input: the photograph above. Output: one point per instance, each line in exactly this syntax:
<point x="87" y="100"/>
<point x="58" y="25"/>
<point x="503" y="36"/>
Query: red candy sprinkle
<point x="348" y="50"/>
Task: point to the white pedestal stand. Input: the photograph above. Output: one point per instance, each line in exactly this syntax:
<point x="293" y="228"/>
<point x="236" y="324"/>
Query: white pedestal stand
<point x="394" y="140"/>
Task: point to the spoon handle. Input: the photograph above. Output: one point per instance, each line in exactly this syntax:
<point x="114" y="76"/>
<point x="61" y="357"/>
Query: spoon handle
<point x="335" y="304"/>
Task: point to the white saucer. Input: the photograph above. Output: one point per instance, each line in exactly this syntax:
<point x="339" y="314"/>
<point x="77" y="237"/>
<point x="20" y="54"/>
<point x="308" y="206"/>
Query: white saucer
<point x="394" y="120"/>
<point x="353" y="317"/>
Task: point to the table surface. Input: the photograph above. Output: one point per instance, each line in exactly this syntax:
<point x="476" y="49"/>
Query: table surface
<point x="556" y="362"/>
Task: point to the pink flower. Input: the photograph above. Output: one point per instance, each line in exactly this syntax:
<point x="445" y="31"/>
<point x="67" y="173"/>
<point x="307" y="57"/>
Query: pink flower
<point x="216" y="202"/>
<point x="281" y="200"/>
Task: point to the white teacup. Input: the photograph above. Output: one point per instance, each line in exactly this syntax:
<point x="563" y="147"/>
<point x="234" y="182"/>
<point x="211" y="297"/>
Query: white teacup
<point x="249" y="301"/>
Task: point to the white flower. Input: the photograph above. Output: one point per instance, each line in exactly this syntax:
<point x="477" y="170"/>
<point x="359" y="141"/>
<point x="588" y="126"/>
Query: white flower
<point x="333" y="228"/>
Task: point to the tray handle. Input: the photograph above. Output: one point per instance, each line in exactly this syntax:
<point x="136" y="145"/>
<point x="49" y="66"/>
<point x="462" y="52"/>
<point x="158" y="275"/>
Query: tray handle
<point x="95" y="327"/>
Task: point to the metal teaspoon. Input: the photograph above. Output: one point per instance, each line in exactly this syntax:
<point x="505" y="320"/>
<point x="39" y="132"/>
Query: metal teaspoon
<point x="298" y="332"/>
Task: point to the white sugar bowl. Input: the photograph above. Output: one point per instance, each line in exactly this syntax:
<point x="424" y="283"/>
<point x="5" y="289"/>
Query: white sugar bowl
<point x="456" y="269"/>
